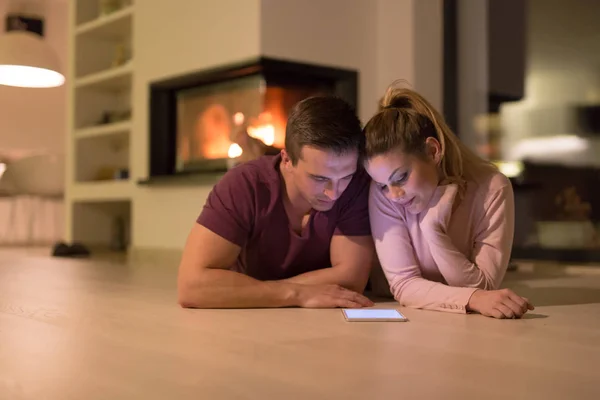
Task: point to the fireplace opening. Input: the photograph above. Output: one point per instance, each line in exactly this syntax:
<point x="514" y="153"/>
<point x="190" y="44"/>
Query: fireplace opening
<point x="239" y="120"/>
<point x="209" y="121"/>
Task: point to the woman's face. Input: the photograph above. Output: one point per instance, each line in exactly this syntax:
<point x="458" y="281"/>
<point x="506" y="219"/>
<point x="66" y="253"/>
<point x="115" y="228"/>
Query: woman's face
<point x="405" y="179"/>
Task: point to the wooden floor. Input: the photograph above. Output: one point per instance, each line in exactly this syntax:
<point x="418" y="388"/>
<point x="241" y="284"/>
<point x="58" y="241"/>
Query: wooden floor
<point x="104" y="330"/>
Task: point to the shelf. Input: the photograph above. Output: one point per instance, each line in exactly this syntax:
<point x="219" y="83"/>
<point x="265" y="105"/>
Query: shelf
<point x="114" y="26"/>
<point x="103" y="130"/>
<point x="118" y="78"/>
<point x="101" y="191"/>
<point x="192" y="179"/>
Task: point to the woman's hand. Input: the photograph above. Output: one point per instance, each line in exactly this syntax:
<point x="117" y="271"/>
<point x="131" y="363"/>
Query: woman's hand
<point x="437" y="216"/>
<point x="502" y="303"/>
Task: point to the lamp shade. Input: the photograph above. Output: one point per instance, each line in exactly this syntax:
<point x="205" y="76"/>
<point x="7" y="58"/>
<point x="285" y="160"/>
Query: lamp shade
<point x="26" y="60"/>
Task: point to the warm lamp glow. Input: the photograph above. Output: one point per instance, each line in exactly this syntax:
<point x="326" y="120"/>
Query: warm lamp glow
<point x="22" y="76"/>
<point x="511" y="169"/>
<point x="544" y="146"/>
<point x="234" y="151"/>
<point x="26" y="60"/>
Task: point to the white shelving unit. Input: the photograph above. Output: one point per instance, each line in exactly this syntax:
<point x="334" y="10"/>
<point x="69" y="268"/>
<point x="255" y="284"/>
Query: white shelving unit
<point x="100" y="80"/>
<point x="114" y="79"/>
<point x="115" y="128"/>
<point x="115" y="25"/>
<point x="102" y="191"/>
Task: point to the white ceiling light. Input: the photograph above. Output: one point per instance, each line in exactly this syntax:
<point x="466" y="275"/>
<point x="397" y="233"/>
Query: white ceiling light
<point x="26" y="60"/>
<point x="549" y="146"/>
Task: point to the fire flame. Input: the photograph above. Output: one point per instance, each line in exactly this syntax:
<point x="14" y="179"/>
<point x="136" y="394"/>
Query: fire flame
<point x="238" y="118"/>
<point x="264" y="133"/>
<point x="234" y="151"/>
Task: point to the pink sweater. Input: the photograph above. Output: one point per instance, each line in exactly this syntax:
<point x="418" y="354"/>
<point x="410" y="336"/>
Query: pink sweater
<point x="440" y="269"/>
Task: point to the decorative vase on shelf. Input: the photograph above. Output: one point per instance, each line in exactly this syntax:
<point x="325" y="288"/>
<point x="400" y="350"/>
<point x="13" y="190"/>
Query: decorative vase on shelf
<point x="107" y="7"/>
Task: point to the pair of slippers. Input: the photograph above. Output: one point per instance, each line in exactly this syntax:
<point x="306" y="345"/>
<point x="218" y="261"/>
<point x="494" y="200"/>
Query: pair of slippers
<point x="74" y="250"/>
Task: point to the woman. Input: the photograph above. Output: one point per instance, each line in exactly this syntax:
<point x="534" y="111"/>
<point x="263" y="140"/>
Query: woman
<point x="442" y="218"/>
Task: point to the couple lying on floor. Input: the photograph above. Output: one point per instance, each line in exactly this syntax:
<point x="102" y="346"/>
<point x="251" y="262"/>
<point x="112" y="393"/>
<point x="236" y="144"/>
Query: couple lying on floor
<point x="305" y="227"/>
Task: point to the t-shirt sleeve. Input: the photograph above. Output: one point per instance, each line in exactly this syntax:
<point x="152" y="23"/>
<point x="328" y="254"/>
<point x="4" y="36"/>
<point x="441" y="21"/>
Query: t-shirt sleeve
<point x="353" y="219"/>
<point x="230" y="207"/>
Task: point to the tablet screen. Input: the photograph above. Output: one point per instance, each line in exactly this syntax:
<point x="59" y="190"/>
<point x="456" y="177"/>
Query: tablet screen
<point x="373" y="314"/>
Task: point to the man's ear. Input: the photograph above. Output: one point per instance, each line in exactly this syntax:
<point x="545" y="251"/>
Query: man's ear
<point x="285" y="158"/>
<point x="433" y="149"/>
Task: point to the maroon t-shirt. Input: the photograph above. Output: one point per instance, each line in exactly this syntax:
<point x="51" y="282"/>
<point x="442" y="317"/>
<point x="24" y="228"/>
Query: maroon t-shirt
<point x="246" y="208"/>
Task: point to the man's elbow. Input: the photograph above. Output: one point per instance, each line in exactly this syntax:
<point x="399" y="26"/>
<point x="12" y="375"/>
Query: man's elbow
<point x="358" y="282"/>
<point x="358" y="287"/>
<point x="186" y="298"/>
<point x="189" y="292"/>
<point x="193" y="298"/>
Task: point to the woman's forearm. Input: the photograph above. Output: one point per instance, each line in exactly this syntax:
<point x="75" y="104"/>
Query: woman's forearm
<point x="417" y="292"/>
<point x="458" y="270"/>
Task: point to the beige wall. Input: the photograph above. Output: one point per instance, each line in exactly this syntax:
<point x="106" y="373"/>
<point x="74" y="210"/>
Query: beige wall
<point x="171" y="38"/>
<point x="427" y="25"/>
<point x="35" y="119"/>
<point x="339" y="33"/>
<point x="564" y="51"/>
<point x="409" y="46"/>
<point x="376" y="37"/>
<point x="473" y="70"/>
<point x="379" y="38"/>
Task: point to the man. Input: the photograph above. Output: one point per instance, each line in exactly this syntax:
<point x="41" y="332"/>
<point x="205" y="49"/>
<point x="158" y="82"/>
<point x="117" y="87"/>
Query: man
<point x="287" y="230"/>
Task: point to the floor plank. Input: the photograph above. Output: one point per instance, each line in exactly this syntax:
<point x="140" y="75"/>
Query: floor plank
<point x="74" y="329"/>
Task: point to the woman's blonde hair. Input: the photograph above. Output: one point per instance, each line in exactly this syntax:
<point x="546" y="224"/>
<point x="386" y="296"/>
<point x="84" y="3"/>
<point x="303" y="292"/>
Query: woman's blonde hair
<point x="405" y="120"/>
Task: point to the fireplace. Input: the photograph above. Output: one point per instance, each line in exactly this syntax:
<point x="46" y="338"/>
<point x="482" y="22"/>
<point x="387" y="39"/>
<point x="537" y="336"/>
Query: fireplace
<point x="209" y="121"/>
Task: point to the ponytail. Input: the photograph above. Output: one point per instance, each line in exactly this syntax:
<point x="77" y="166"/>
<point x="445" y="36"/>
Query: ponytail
<point x="405" y="120"/>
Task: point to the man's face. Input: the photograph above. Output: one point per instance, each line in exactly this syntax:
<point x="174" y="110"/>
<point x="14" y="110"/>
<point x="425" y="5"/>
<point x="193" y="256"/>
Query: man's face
<point x="321" y="176"/>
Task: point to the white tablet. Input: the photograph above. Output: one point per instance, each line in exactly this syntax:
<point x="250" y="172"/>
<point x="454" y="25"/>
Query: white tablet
<point x="363" y="315"/>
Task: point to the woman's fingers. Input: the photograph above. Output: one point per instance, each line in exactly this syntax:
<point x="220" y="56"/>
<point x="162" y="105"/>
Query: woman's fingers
<point x="505" y="310"/>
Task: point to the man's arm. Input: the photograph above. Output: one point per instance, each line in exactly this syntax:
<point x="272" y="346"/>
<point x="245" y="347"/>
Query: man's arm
<point x="204" y="281"/>
<point x="214" y="244"/>
<point x="351" y="260"/>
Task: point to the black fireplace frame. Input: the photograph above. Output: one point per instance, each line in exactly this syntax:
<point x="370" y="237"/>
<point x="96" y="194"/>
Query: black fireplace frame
<point x="163" y="112"/>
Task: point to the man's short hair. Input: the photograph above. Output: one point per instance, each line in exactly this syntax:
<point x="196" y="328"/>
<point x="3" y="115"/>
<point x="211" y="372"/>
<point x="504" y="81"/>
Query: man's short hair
<point x="325" y="122"/>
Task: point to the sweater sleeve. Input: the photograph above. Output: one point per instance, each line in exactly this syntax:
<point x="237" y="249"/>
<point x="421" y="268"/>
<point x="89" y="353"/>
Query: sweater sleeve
<point x="398" y="261"/>
<point x="491" y="247"/>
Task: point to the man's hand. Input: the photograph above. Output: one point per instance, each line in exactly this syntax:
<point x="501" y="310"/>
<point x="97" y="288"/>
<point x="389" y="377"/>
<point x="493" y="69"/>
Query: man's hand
<point x="502" y="303"/>
<point x="437" y="216"/>
<point x="329" y="296"/>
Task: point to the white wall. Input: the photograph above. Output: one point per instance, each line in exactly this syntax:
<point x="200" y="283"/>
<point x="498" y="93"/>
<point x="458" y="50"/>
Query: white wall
<point x="338" y="33"/>
<point x="428" y="49"/>
<point x="382" y="39"/>
<point x="473" y="70"/>
<point x="395" y="41"/>
<point x="35" y="119"/>
<point x="376" y="37"/>
<point x="172" y="38"/>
